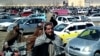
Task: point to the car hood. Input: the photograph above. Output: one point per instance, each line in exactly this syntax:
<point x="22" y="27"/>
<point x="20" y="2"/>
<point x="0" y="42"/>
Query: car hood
<point x="81" y="43"/>
<point x="6" y="23"/>
<point x="57" y="32"/>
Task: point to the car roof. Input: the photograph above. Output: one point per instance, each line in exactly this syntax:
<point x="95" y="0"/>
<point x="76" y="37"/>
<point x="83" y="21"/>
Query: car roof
<point x="78" y="23"/>
<point x="66" y="16"/>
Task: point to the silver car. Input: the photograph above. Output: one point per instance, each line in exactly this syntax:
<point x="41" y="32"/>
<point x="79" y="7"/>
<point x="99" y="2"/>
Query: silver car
<point x="5" y="18"/>
<point x="86" y="44"/>
<point x="28" y="25"/>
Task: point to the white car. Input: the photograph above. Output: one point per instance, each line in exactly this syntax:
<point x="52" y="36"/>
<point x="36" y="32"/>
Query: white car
<point x="94" y="17"/>
<point x="82" y="11"/>
<point x="65" y="19"/>
<point x="5" y="18"/>
<point x="4" y="25"/>
<point x="81" y="18"/>
<point x="68" y="31"/>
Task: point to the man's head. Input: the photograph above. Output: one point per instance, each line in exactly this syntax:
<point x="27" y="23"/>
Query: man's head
<point x="48" y="28"/>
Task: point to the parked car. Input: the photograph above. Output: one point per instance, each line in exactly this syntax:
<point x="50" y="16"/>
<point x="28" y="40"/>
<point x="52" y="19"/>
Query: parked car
<point x="28" y="25"/>
<point x="5" y="18"/>
<point x="4" y="25"/>
<point x="82" y="11"/>
<point x="38" y="15"/>
<point x="65" y="19"/>
<point x="61" y="12"/>
<point x="94" y="17"/>
<point x="26" y="13"/>
<point x="85" y="44"/>
<point x="69" y="31"/>
<point x="81" y="18"/>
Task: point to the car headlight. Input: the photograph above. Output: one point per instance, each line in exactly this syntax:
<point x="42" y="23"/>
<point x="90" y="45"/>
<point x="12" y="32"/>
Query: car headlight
<point x="87" y="49"/>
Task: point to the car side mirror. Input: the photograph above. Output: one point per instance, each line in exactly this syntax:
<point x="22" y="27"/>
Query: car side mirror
<point x="67" y="31"/>
<point x="27" y="23"/>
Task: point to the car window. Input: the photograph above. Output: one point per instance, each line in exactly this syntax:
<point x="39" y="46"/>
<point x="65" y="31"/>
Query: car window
<point x="72" y="28"/>
<point x="30" y="22"/>
<point x="34" y="21"/>
<point x="77" y="17"/>
<point x="59" y="18"/>
<point x="33" y="15"/>
<point x="21" y="21"/>
<point x="90" y="34"/>
<point x="39" y="15"/>
<point x="71" y="19"/>
<point x="60" y="27"/>
<point x="79" y="27"/>
<point x="64" y="19"/>
<point x="97" y="15"/>
<point x="37" y="20"/>
<point x="89" y="24"/>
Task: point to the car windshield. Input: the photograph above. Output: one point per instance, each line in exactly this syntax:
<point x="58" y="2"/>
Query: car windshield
<point x="21" y="21"/>
<point x="33" y="15"/>
<point x="3" y="17"/>
<point x="71" y="19"/>
<point x="36" y="15"/>
<point x="60" y="27"/>
<point x="90" y="34"/>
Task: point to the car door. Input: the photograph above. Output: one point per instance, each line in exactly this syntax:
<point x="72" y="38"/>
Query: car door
<point x="96" y="17"/>
<point x="69" y="33"/>
<point x="34" y="24"/>
<point x="80" y="29"/>
<point x="31" y="25"/>
<point x="26" y="26"/>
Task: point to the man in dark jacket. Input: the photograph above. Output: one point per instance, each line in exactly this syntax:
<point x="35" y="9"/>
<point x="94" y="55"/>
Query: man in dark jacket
<point x="48" y="44"/>
<point x="53" y="20"/>
<point x="13" y="36"/>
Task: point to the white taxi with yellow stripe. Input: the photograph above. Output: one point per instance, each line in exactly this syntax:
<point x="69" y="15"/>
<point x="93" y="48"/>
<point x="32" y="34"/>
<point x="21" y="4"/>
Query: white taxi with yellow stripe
<point x="68" y="31"/>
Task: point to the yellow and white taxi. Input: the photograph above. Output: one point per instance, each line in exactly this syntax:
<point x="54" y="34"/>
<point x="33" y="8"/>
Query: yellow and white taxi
<point x="68" y="31"/>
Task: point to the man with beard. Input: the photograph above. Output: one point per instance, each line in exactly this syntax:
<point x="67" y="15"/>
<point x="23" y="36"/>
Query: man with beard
<point x="48" y="44"/>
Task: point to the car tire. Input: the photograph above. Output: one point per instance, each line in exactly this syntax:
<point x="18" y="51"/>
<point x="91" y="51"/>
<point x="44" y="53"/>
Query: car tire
<point x="97" y="54"/>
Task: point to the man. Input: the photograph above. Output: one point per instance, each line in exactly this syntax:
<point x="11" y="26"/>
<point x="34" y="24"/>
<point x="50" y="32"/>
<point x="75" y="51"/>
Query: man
<point x="48" y="44"/>
<point x="12" y="37"/>
<point x="53" y="20"/>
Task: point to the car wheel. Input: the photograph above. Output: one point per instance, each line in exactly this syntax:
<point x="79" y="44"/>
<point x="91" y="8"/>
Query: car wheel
<point x="97" y="54"/>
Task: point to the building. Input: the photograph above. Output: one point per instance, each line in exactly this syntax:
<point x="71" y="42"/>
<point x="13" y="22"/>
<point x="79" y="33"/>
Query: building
<point x="31" y="2"/>
<point x="76" y="3"/>
<point x="83" y="3"/>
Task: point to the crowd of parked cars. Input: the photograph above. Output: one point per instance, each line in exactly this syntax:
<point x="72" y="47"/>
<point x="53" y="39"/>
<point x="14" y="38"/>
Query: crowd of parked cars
<point x="74" y="26"/>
